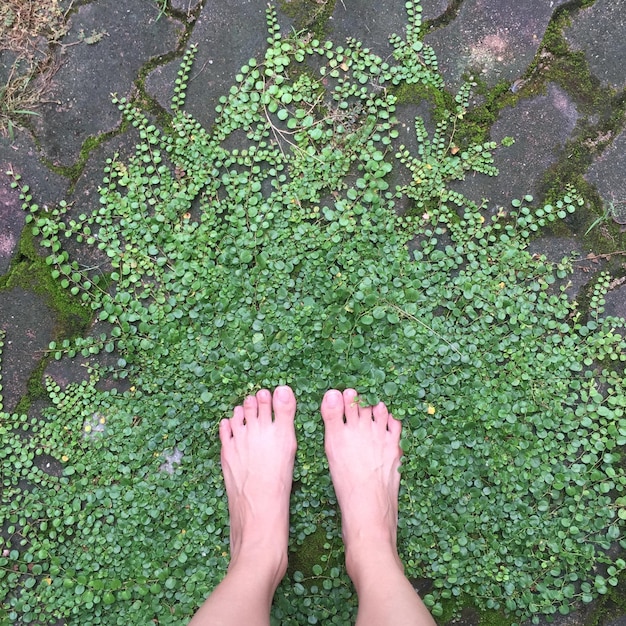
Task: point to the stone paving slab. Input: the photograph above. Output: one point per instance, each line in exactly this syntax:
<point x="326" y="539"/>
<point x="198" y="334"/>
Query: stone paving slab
<point x="616" y="306"/>
<point x="607" y="174"/>
<point x="12" y="220"/>
<point x="28" y="324"/>
<point x="185" y="6"/>
<point x="22" y="156"/>
<point x="599" y="31"/>
<point x="129" y="36"/>
<point x="540" y="126"/>
<point x="555" y="249"/>
<point x="493" y="39"/>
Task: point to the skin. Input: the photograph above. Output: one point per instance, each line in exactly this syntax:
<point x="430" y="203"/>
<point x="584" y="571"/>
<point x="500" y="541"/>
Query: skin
<point x="258" y="452"/>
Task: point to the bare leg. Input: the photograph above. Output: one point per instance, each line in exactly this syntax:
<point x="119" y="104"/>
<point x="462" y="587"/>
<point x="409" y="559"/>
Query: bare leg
<point x="257" y="461"/>
<point x="364" y="455"/>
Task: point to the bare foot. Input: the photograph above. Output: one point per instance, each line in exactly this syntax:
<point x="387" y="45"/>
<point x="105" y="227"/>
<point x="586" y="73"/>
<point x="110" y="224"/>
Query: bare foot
<point x="363" y="454"/>
<point x="257" y="460"/>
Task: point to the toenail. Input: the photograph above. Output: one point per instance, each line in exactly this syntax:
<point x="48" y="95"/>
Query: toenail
<point x="334" y="398"/>
<point x="282" y="393"/>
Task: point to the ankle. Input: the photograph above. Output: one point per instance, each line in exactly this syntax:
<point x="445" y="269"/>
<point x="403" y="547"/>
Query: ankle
<point x="365" y="561"/>
<point x="267" y="562"/>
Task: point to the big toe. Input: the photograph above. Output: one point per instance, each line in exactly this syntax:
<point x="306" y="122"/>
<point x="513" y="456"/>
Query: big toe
<point x="284" y="403"/>
<point x="332" y="408"/>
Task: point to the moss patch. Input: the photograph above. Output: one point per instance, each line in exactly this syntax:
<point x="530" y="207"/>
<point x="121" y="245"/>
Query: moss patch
<point x="310" y="15"/>
<point x="309" y="553"/>
<point x="555" y="62"/>
<point x="30" y="271"/>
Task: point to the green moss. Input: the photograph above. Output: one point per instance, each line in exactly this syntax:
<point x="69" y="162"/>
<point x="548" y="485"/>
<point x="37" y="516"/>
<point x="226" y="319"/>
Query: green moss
<point x="73" y="172"/>
<point x="477" y="123"/>
<point x="309" y="553"/>
<point x="309" y="15"/>
<point x="416" y="93"/>
<point x="494" y="618"/>
<point x="600" y="233"/>
<point x="30" y="271"/>
<point x="556" y="63"/>
<point x="35" y="389"/>
<point x="446" y="17"/>
<point x="611" y="606"/>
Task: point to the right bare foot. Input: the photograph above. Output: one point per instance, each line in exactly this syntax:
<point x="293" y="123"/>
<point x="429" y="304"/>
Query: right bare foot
<point x="364" y="455"/>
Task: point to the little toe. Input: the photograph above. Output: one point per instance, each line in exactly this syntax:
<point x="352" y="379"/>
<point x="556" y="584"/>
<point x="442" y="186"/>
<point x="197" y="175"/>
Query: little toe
<point x="380" y="415"/>
<point x="332" y="409"/>
<point x="351" y="405"/>
<point x="394" y="427"/>
<point x="264" y="406"/>
<point x="284" y="403"/>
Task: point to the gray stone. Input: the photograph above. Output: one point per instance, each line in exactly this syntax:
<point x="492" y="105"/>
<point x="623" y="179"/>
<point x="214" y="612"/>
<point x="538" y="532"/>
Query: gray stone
<point x="599" y="31"/>
<point x="228" y="34"/>
<point x="407" y="139"/>
<point x="467" y="617"/>
<point x="579" y="617"/>
<point x="432" y="9"/>
<point x="81" y="90"/>
<point x="616" y="300"/>
<point x="7" y="62"/>
<point x="185" y="6"/>
<point x="11" y="222"/>
<point x="540" y="127"/>
<point x="493" y="39"/>
<point x="607" y="174"/>
<point x="21" y="156"/>
<point x="28" y="324"/>
<point x="66" y="371"/>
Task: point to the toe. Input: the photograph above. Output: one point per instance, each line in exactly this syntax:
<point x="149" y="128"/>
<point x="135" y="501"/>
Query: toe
<point x="394" y="427"/>
<point x="238" y="419"/>
<point x="250" y="409"/>
<point x="284" y="403"/>
<point x="332" y="409"/>
<point x="365" y="413"/>
<point x="381" y="415"/>
<point x="264" y="406"/>
<point x="226" y="432"/>
<point x="351" y="405"/>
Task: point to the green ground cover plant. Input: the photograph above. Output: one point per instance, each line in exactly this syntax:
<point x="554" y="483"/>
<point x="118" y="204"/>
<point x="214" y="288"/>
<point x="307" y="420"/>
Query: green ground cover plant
<point x="270" y="250"/>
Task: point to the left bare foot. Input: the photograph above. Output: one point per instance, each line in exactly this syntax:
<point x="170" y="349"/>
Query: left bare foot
<point x="257" y="460"/>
